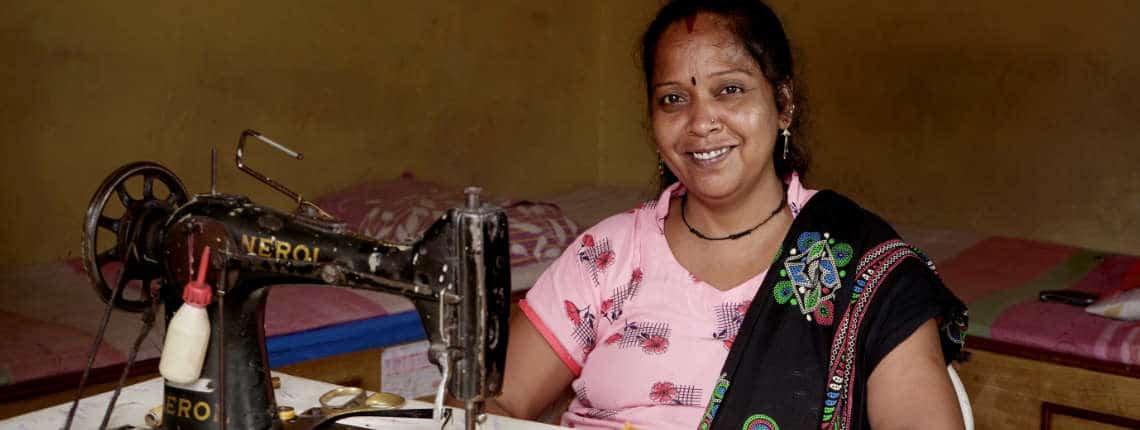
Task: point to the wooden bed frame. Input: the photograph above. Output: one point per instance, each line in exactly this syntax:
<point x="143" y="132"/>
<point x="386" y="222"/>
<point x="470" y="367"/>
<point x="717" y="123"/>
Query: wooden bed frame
<point x="1017" y="387"/>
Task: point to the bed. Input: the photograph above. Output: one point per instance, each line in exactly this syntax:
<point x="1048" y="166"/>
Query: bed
<point x="1033" y="364"/>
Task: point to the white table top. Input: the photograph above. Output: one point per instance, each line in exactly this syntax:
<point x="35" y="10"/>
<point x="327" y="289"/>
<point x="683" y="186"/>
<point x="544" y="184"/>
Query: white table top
<point x="300" y="393"/>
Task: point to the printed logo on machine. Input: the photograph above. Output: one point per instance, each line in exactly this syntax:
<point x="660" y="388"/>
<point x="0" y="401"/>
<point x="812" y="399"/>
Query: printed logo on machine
<point x="271" y="247"/>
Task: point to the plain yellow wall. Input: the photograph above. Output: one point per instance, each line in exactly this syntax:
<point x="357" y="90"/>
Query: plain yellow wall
<point x="500" y="94"/>
<point x="626" y="155"/>
<point x="1011" y="118"/>
<point x="1014" y="118"/>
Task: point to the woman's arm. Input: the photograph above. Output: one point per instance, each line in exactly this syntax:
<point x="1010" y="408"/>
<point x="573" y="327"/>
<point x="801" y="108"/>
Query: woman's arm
<point x="910" y="388"/>
<point x="534" y="376"/>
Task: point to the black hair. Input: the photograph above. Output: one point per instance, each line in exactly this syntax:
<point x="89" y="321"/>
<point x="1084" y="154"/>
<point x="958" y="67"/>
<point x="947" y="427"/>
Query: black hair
<point x="758" y="28"/>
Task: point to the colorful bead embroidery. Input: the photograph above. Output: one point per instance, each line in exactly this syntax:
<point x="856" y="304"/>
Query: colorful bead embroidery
<point x="812" y="275"/>
<point x="672" y="394"/>
<point x="874" y="267"/>
<point x="760" y="422"/>
<point x="956" y="329"/>
<point x="719" y="390"/>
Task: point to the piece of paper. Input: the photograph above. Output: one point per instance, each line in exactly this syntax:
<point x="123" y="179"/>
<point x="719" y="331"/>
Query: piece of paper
<point x="405" y="370"/>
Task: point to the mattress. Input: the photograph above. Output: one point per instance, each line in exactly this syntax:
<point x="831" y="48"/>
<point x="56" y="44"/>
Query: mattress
<point x="1000" y="279"/>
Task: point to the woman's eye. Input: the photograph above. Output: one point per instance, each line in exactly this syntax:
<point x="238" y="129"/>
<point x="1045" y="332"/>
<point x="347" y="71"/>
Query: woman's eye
<point x="671" y="99"/>
<point x="732" y="89"/>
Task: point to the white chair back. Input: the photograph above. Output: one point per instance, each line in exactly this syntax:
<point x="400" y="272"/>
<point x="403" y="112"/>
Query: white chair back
<point x="963" y="399"/>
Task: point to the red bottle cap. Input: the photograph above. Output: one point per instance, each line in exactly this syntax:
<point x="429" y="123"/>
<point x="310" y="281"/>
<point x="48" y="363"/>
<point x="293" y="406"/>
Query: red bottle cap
<point x="198" y="292"/>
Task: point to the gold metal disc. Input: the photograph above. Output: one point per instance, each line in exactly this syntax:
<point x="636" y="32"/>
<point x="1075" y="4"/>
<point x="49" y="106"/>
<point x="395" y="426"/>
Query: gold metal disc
<point x="286" y="413"/>
<point x="385" y="401"/>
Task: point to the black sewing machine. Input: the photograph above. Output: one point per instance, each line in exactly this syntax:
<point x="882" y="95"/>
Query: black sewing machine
<point x="457" y="275"/>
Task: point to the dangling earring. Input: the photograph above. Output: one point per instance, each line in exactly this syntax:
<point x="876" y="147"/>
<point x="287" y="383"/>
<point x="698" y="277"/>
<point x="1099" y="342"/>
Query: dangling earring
<point x="787" y="137"/>
<point x="660" y="165"/>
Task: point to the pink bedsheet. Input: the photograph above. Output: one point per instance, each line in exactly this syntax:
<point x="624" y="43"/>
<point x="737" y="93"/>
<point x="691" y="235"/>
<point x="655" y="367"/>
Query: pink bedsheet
<point x="1000" y="278"/>
<point x="50" y="316"/>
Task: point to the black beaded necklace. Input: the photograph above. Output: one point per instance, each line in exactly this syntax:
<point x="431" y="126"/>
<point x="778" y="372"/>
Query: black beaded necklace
<point x="733" y="236"/>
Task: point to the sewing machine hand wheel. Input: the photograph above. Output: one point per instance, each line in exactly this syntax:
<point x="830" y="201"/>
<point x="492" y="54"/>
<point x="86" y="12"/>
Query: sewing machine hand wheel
<point x="137" y="233"/>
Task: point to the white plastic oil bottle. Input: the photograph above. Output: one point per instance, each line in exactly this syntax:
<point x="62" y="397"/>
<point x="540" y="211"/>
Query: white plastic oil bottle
<point x="188" y="335"/>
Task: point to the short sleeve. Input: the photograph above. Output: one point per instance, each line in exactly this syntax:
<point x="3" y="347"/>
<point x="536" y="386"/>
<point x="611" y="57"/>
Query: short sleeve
<point x="563" y="304"/>
<point x="913" y="295"/>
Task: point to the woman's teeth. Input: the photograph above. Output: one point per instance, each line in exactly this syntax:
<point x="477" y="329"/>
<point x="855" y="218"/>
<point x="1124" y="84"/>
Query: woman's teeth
<point x="704" y="156"/>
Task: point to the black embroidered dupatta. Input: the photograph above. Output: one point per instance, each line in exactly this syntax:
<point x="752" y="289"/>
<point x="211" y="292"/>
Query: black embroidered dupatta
<point x="843" y="291"/>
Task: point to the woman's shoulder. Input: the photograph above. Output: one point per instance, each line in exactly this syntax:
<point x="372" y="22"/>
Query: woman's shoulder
<point x="622" y="227"/>
<point x="832" y="207"/>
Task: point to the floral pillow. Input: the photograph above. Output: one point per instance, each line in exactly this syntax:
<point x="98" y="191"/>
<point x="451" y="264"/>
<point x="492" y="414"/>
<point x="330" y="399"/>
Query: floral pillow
<point x="401" y="210"/>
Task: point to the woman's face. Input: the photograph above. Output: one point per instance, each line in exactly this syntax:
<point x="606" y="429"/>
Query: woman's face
<point x="714" y="115"/>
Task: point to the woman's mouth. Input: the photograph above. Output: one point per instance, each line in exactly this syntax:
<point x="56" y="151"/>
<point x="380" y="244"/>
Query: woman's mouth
<point x="711" y="156"/>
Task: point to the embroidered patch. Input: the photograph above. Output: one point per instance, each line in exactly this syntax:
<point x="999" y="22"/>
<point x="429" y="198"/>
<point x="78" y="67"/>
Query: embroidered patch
<point x="719" y="390"/>
<point x="955" y="329"/>
<point x="812" y="275"/>
<point x="652" y="337"/>
<point x="873" y="269"/>
<point x="728" y="319"/>
<point x="672" y="394"/>
<point x="596" y="255"/>
<point x="760" y="422"/>
<point x="612" y="307"/>
<point x="584" y="326"/>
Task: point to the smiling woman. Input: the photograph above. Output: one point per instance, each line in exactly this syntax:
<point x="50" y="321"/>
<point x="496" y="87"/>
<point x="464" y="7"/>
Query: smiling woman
<point x="738" y="298"/>
<point x="757" y="47"/>
<point x="715" y="130"/>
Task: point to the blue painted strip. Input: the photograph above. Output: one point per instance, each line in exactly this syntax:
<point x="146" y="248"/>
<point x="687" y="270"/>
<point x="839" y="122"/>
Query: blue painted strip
<point x="344" y="338"/>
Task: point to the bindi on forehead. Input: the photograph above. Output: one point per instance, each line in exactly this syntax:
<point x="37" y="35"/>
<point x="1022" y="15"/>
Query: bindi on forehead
<point x="690" y="21"/>
<point x="708" y="48"/>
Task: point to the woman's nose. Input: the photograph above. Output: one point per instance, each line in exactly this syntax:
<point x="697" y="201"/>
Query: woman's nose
<point x="704" y="120"/>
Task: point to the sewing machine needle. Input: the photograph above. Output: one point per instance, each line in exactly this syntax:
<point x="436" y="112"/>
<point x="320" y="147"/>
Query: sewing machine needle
<point x="213" y="171"/>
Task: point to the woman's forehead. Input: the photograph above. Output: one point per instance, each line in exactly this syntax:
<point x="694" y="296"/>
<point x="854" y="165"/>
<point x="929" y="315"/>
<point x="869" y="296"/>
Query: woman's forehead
<point x="706" y="46"/>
